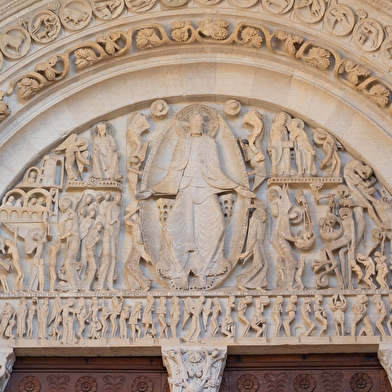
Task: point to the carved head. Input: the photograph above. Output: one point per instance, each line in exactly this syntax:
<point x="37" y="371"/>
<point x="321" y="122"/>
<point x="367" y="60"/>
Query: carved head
<point x="101" y="129"/>
<point x="196" y="124"/>
<point x="99" y="197"/>
<point x="117" y="197"/>
<point x="345" y="213"/>
<point x="281" y="118"/>
<point x="364" y="171"/>
<point x="89" y="199"/>
<point x="91" y="212"/>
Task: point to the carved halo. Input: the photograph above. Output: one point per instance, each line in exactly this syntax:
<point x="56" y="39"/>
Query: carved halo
<point x="211" y="120"/>
<point x="63" y="202"/>
<point x="109" y="129"/>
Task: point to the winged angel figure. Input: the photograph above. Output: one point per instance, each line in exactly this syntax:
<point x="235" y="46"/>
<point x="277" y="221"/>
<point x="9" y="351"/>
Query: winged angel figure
<point x="137" y="124"/>
<point x="252" y="149"/>
<point x="75" y="152"/>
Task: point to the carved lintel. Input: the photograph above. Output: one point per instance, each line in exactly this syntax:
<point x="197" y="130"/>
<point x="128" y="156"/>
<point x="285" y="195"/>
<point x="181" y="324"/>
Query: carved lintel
<point x="7" y="359"/>
<point x="194" y="369"/>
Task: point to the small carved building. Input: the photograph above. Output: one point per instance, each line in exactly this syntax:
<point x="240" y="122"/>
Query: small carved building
<point x="202" y="184"/>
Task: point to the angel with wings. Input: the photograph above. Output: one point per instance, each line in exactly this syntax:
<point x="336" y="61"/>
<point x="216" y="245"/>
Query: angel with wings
<point x="251" y="147"/>
<point x="75" y="152"/>
<point x="331" y="162"/>
<point x="137" y="124"/>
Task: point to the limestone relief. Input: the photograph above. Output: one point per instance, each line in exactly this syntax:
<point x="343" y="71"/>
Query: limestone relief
<point x="192" y="223"/>
<point x="44" y="25"/>
<point x="218" y="31"/>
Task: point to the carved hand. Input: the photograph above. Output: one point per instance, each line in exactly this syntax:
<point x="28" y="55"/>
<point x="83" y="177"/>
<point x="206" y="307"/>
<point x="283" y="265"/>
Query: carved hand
<point x="245" y="192"/>
<point x="144" y="194"/>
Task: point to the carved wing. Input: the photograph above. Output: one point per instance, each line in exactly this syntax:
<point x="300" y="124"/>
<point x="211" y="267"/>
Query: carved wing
<point x="244" y="144"/>
<point x="66" y="143"/>
<point x="143" y="151"/>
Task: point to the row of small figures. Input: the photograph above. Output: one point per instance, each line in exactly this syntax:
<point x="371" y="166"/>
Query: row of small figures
<point x="71" y="321"/>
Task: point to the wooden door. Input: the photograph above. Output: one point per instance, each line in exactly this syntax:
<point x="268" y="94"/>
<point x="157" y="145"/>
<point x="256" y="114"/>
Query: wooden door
<point x="269" y="373"/>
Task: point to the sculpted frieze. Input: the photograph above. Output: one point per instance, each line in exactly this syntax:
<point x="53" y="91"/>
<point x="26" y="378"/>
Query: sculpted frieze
<point x="215" y="31"/>
<point x="196" y="224"/>
<point x="45" y="25"/>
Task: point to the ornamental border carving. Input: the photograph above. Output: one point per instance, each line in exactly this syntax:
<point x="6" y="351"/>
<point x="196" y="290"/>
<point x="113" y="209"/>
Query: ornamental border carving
<point x="217" y="31"/>
<point x="67" y="18"/>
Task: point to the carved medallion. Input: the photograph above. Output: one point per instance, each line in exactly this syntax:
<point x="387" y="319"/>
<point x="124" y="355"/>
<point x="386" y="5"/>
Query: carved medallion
<point x="278" y="6"/>
<point x="139" y="5"/>
<point x="248" y="383"/>
<point x="142" y="384"/>
<point x="304" y="382"/>
<point x="44" y="26"/>
<point x="174" y="3"/>
<point x="368" y="34"/>
<point x="15" y="42"/>
<point x="86" y="384"/>
<point x="361" y="382"/>
<point x="339" y="20"/>
<point x="309" y="11"/>
<point x="205" y="250"/>
<point x="75" y="14"/>
<point x="29" y="384"/>
<point x="159" y="108"/>
<point x="232" y="108"/>
<point x="107" y="9"/>
<point x="243" y="3"/>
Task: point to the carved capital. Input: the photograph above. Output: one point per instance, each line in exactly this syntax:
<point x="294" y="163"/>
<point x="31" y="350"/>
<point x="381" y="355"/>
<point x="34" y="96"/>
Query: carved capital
<point x="194" y="369"/>
<point x="7" y="359"/>
<point x="385" y="357"/>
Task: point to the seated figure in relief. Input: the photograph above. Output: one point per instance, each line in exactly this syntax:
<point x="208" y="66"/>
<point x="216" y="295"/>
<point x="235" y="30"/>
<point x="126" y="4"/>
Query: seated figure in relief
<point x="194" y="230"/>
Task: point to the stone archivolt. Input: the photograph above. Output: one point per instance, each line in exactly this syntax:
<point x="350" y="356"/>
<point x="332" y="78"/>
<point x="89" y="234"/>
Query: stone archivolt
<point x="44" y="24"/>
<point x="377" y="90"/>
<point x="339" y="20"/>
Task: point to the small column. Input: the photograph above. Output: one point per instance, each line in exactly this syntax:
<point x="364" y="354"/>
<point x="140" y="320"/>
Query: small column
<point x="193" y="368"/>
<point x="7" y="359"/>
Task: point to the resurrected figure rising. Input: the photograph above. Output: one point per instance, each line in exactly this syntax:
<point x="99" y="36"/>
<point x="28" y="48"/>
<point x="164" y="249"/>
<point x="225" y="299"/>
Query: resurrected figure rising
<point x="194" y="230"/>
